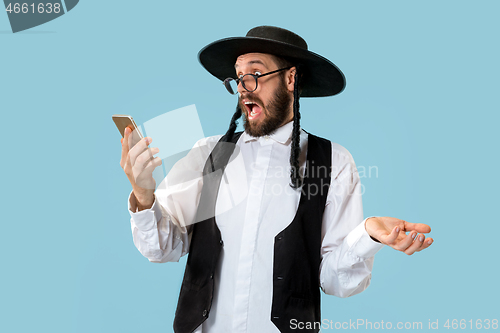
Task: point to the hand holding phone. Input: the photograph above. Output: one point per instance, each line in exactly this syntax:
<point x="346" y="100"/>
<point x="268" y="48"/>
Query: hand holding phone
<point x="137" y="161"/>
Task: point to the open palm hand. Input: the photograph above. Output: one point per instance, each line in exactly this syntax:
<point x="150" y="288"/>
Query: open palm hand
<point x="392" y="232"/>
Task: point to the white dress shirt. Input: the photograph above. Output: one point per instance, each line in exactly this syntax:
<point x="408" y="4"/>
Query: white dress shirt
<point x="255" y="202"/>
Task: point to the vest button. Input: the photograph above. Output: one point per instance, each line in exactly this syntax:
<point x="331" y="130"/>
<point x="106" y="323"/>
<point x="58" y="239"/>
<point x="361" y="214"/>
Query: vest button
<point x="211" y="276"/>
<point x="280" y="237"/>
<point x="279" y="278"/>
<point x="221" y="242"/>
<point x="205" y="313"/>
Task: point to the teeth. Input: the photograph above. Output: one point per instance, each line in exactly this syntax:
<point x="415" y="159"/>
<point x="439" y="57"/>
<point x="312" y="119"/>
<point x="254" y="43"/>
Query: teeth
<point x="252" y="113"/>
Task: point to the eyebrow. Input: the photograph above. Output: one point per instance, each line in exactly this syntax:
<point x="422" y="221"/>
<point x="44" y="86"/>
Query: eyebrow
<point x="252" y="62"/>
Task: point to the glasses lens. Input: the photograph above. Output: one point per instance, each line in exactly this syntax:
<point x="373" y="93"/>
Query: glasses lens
<point x="231" y="85"/>
<point x="249" y="82"/>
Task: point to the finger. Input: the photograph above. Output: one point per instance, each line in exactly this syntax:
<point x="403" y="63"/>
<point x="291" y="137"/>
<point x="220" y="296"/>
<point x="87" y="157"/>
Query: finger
<point x="392" y="237"/>
<point x="124" y="147"/>
<point x="126" y="134"/>
<point x="405" y="242"/>
<point x="138" y="149"/>
<point x="415" y="246"/>
<point x="152" y="164"/>
<point x="146" y="156"/>
<point x="142" y="160"/>
<point x="418" y="227"/>
<point x="426" y="244"/>
<point x="145" y="179"/>
<point x="134" y="137"/>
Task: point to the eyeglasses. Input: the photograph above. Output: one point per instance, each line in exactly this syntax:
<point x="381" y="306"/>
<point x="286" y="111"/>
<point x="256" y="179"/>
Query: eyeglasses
<point x="248" y="81"/>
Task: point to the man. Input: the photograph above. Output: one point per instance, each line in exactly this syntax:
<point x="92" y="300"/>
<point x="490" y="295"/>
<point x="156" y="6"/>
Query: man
<point x="257" y="261"/>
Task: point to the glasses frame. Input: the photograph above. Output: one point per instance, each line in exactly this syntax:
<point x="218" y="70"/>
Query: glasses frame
<point x="227" y="82"/>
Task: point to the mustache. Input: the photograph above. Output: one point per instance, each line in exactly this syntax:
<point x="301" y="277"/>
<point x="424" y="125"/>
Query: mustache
<point x="252" y="99"/>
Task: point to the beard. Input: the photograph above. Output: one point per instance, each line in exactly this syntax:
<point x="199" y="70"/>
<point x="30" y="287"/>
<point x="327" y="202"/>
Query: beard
<point x="275" y="113"/>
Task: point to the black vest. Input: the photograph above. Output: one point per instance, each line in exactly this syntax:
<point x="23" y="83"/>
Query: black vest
<point x="297" y="248"/>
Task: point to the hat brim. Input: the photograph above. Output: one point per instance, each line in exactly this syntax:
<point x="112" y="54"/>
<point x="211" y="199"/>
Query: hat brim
<point x="320" y="76"/>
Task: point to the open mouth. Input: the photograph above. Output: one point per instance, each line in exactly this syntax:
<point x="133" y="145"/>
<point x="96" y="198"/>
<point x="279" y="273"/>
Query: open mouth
<point x="253" y="109"/>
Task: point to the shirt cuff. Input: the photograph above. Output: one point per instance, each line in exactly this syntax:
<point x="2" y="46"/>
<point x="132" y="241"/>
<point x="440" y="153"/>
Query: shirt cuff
<point x="145" y="219"/>
<point x="360" y="242"/>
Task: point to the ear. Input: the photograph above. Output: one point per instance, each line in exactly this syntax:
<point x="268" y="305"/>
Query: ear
<point x="290" y="79"/>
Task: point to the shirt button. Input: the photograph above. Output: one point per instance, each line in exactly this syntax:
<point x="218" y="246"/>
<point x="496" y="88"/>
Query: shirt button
<point x="204" y="313"/>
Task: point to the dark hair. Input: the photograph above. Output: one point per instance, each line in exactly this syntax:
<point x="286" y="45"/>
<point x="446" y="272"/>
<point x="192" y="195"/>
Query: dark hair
<point x="233" y="124"/>
<point x="296" y="181"/>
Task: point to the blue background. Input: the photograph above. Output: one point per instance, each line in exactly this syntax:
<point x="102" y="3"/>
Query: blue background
<point x="421" y="105"/>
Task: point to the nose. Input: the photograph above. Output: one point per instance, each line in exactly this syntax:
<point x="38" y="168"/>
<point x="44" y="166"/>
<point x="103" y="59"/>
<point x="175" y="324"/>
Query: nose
<point x="240" y="87"/>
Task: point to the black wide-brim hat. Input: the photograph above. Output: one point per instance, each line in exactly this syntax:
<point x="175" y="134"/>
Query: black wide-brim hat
<point x="320" y="77"/>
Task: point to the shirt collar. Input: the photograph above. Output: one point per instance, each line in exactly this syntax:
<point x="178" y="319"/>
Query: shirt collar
<point x="281" y="135"/>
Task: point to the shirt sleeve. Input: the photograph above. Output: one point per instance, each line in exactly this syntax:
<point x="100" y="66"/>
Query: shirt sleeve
<point x="162" y="233"/>
<point x="155" y="235"/>
<point x="347" y="250"/>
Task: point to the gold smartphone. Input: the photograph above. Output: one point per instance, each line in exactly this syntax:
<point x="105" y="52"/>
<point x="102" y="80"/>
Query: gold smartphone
<point x="123" y="121"/>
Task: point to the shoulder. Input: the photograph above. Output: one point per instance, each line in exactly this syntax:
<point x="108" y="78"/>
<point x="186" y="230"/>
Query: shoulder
<point x="339" y="152"/>
<point x="343" y="165"/>
<point x="210" y="141"/>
